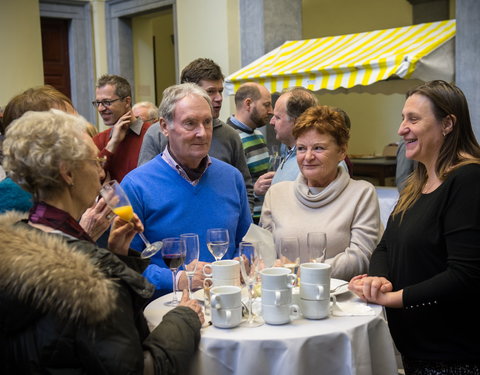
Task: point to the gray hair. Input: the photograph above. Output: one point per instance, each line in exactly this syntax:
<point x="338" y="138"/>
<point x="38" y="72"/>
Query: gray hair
<point x="173" y="94"/>
<point x="36" y="144"/>
<point x="299" y="101"/>
<point x="152" y="109"/>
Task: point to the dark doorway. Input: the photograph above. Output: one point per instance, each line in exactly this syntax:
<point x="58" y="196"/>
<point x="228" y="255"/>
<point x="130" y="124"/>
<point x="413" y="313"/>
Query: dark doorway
<point x="56" y="62"/>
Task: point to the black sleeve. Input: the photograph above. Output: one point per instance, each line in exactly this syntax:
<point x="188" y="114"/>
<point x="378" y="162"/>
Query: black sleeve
<point x="174" y="341"/>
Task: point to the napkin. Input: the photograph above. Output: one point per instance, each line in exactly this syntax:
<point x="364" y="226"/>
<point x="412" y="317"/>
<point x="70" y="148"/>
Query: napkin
<point x="350" y="308"/>
<point x="265" y="243"/>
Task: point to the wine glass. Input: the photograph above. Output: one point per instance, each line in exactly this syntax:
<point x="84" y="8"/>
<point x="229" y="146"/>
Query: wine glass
<point x="173" y="254"/>
<point x="249" y="266"/>
<point x="317" y="245"/>
<point x="275" y="160"/>
<point x="290" y="253"/>
<point x="192" y="244"/>
<point x="116" y="198"/>
<point x="218" y="241"/>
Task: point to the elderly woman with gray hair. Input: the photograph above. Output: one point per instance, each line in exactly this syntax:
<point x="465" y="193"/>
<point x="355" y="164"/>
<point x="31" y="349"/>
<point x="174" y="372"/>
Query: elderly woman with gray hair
<point x="66" y="304"/>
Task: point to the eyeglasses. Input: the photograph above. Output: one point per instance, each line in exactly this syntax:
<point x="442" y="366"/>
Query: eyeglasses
<point x="106" y="102"/>
<point x="100" y="161"/>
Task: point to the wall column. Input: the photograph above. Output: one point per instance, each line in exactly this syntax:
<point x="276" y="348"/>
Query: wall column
<point x="467" y="55"/>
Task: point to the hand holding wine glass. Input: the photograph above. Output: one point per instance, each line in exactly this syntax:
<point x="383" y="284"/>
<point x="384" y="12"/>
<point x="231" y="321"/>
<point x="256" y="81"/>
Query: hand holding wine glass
<point x="218" y="242"/>
<point x="116" y="198"/>
<point x="173" y="254"/>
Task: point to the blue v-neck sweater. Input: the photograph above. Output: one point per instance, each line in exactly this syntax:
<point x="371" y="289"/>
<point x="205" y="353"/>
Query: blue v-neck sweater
<point x="168" y="206"/>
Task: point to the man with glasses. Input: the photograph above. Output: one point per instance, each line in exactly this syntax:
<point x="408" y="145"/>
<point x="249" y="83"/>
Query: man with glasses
<point x="122" y="142"/>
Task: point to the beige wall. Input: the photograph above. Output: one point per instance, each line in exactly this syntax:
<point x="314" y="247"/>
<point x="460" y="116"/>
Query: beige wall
<point x="147" y="86"/>
<point x="210" y="28"/>
<point x="144" y="88"/>
<point x="375" y="118"/>
<point x="21" y="47"/>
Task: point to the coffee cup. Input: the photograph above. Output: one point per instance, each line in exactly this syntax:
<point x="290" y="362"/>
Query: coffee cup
<point x="314" y="292"/>
<point x="225" y="269"/>
<point x="227" y="318"/>
<point x="315" y="273"/>
<point x="277" y="297"/>
<point x="277" y="278"/>
<point x="226" y="306"/>
<point x="279" y="314"/>
<point x="315" y="309"/>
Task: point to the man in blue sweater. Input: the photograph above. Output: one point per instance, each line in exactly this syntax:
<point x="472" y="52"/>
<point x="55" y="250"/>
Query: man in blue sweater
<point x="183" y="190"/>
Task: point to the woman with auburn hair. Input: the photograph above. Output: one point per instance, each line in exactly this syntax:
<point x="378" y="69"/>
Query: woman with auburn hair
<point x="426" y="269"/>
<point x="66" y="305"/>
<point x="324" y="198"/>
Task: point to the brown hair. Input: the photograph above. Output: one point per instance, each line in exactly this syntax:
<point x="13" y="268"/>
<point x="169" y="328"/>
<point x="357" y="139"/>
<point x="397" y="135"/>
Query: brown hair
<point x="459" y="148"/>
<point x="201" y="69"/>
<point x="39" y="99"/>
<point x="122" y="87"/>
<point x="325" y="120"/>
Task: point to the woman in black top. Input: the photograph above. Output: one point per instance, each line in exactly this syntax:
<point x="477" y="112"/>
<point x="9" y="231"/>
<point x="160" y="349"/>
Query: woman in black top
<point x="426" y="269"/>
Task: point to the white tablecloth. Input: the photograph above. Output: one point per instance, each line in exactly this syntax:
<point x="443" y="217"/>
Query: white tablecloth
<point x="359" y="345"/>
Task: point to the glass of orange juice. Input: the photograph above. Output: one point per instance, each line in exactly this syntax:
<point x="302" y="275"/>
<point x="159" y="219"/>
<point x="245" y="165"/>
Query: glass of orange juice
<point x="116" y="198"/>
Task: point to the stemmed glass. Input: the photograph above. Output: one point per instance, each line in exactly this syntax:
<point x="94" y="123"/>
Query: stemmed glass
<point x="249" y="265"/>
<point x="192" y="244"/>
<point x="116" y="198"/>
<point x="317" y="245"/>
<point x="275" y="160"/>
<point x="218" y="241"/>
<point x="290" y="253"/>
<point x="173" y="254"/>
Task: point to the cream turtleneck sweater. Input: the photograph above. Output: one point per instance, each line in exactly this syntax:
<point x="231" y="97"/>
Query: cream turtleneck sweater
<point x="346" y="210"/>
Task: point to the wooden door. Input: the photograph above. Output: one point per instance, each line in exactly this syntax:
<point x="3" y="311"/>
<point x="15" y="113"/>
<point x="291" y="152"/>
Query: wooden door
<point x="56" y="62"/>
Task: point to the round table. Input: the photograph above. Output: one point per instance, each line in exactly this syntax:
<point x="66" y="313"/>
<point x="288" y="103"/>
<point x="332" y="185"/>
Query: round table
<point x="358" y="345"/>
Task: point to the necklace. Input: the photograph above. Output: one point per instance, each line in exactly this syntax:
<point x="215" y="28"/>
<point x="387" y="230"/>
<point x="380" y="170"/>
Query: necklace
<point x="430" y="186"/>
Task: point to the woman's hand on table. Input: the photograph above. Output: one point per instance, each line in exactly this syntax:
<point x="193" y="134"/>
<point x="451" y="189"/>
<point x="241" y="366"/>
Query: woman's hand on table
<point x="377" y="290"/>
<point x="193" y="304"/>
<point x="122" y="234"/>
<point x="96" y="219"/>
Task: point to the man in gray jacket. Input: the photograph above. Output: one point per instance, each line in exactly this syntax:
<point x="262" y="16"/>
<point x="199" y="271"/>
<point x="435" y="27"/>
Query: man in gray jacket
<point x="226" y="144"/>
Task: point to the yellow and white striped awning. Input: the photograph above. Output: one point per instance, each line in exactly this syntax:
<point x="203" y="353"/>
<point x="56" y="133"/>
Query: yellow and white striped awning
<point x="345" y="60"/>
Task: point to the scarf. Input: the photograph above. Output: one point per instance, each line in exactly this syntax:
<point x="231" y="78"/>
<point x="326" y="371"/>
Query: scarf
<point x="43" y="213"/>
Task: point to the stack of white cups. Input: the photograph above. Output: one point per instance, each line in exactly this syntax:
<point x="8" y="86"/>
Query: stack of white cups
<point x="226" y="303"/>
<point x="222" y="272"/>
<point x="277" y="284"/>
<point x="315" y="290"/>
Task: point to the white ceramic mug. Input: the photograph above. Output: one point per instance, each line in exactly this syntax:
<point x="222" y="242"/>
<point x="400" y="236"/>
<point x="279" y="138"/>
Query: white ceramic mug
<point x="227" y="318"/>
<point x="277" y="297"/>
<point x="226" y="305"/>
<point x="315" y="309"/>
<point x="277" y="278"/>
<point x="315" y="273"/>
<point x="279" y="314"/>
<point x="314" y="292"/>
<point x="225" y="269"/>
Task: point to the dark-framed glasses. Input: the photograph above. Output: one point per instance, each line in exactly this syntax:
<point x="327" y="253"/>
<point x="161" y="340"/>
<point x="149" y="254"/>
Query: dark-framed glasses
<point x="106" y="102"/>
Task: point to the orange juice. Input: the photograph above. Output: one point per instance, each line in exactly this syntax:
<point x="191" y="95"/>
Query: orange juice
<point x="125" y="212"/>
